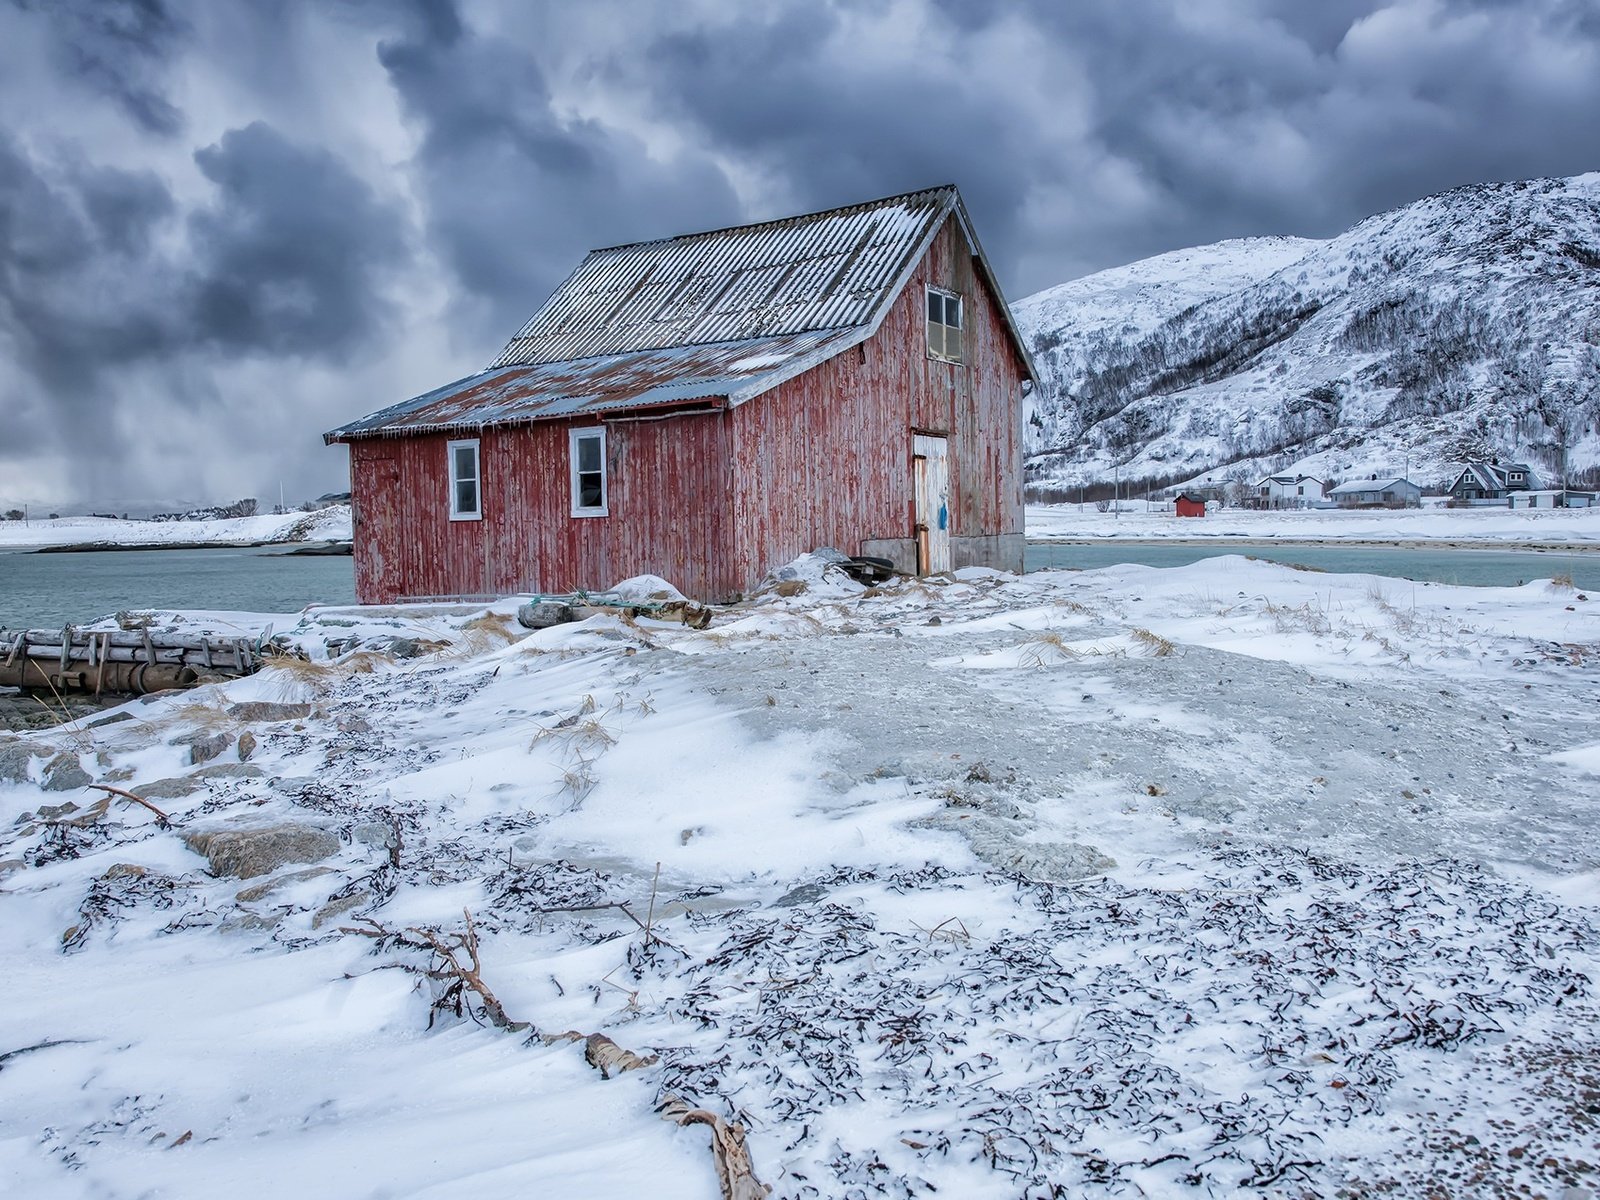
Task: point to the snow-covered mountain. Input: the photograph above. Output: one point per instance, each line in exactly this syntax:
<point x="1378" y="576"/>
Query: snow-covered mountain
<point x="1466" y="325"/>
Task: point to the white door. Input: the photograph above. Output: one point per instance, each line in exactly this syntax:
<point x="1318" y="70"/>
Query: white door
<point x="931" y="466"/>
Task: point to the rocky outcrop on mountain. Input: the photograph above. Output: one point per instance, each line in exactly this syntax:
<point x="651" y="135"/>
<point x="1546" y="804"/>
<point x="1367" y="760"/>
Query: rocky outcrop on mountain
<point x="1463" y="326"/>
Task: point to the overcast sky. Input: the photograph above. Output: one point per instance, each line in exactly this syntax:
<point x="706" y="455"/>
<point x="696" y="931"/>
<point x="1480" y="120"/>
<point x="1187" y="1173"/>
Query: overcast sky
<point x="227" y="226"/>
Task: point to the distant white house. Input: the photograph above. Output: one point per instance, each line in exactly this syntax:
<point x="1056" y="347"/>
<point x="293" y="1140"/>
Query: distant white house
<point x="1373" y="492"/>
<point x="1289" y="491"/>
<point x="1536" y="498"/>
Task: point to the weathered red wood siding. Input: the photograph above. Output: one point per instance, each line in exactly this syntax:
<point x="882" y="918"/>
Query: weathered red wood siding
<point x="712" y="501"/>
<point x="825" y="459"/>
<point x="668" y="482"/>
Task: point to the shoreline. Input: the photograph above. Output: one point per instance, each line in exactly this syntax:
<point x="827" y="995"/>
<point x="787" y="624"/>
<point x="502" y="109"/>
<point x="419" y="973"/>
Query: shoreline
<point x="290" y="549"/>
<point x="335" y="548"/>
<point x="1495" y="544"/>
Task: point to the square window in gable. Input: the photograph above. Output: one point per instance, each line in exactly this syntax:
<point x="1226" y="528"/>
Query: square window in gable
<point x="944" y="325"/>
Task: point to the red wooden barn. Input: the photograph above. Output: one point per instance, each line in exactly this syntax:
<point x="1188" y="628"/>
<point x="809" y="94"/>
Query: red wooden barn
<point x="709" y="406"/>
<point x="1191" y="504"/>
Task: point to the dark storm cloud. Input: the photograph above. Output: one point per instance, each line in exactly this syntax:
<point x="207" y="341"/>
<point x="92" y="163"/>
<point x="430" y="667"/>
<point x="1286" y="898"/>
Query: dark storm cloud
<point x="513" y="192"/>
<point x="286" y="261"/>
<point x="212" y="207"/>
<point x="71" y="233"/>
<point x="1218" y="120"/>
<point x="868" y="128"/>
<point x="119" y="48"/>
<point x="291" y="254"/>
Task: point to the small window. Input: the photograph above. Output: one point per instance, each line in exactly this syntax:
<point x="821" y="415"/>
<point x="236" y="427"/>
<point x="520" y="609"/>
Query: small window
<point x="944" y="326"/>
<point x="590" y="494"/>
<point x="466" y="496"/>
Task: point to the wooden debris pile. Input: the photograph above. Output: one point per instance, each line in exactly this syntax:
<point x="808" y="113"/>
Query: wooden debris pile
<point x="133" y="661"/>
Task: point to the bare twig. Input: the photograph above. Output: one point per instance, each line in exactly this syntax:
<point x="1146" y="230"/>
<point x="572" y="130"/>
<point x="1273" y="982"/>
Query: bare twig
<point x="734" y="1172"/>
<point x="650" y="915"/>
<point x="10" y="1054"/>
<point x="468" y="973"/>
<point x="161" y="818"/>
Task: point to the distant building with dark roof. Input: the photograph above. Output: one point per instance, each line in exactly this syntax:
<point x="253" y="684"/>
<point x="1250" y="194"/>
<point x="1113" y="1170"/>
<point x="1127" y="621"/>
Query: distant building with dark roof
<point x="1491" y="481"/>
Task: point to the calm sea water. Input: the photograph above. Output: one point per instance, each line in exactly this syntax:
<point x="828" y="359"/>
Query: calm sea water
<point x="1476" y="568"/>
<point x="45" y="591"/>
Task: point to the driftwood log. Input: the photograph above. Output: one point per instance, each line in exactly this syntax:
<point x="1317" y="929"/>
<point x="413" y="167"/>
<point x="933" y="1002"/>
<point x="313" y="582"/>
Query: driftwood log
<point x="119" y="660"/>
<point x="735" y="1173"/>
<point x="734" y="1170"/>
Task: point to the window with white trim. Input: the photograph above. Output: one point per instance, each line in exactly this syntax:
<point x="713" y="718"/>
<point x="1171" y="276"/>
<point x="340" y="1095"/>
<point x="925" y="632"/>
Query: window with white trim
<point x="591" y="495"/>
<point x="944" y="325"/>
<point x="466" y="481"/>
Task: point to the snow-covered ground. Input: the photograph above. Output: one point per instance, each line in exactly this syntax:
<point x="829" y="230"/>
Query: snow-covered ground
<point x="1578" y="527"/>
<point x="325" y="525"/>
<point x="1123" y="882"/>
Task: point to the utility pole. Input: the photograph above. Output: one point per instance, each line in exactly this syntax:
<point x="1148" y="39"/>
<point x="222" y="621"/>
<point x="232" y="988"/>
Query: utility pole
<point x="1116" y="490"/>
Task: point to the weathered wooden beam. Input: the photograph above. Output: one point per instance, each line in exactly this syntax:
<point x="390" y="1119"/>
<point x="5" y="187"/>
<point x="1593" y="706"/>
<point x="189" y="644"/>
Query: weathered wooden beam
<point x="129" y="638"/>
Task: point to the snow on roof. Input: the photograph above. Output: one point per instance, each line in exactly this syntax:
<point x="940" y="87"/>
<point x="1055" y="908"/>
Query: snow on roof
<point x="827" y="270"/>
<point x="1369" y="485"/>
<point x="728" y="312"/>
<point x="511" y="395"/>
<point x="1493" y="477"/>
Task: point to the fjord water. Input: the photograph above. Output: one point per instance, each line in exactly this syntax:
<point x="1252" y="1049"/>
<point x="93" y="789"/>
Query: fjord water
<point x="47" y="591"/>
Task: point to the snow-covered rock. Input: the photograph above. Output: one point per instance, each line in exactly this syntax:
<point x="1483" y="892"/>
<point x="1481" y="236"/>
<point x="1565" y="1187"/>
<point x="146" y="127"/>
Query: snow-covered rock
<point x="1463" y="326"/>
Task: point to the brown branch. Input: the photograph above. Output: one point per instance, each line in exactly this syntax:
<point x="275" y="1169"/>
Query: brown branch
<point x="735" y="1173"/>
<point x="161" y="818"/>
<point x="469" y="973"/>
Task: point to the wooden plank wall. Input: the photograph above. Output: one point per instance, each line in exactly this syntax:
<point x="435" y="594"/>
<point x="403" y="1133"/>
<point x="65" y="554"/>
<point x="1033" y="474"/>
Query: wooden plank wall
<point x="712" y="501"/>
<point x="668" y="513"/>
<point x="825" y="459"/>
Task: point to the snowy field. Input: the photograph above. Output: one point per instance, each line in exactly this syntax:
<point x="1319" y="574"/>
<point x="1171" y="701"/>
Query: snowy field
<point x="1578" y="527"/>
<point x="326" y="525"/>
<point x="1218" y="880"/>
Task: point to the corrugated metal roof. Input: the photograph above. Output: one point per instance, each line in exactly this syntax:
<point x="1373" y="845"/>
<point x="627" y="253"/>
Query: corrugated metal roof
<point x="516" y="394"/>
<point x="1368" y="485"/>
<point x="655" y="323"/>
<point x="827" y="270"/>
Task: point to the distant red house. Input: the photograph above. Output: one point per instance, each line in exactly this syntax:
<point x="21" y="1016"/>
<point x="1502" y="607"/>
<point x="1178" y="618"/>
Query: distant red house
<point x="1190" y="505"/>
<point x="706" y="407"/>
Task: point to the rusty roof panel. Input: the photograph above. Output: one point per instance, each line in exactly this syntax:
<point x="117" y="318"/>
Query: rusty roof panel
<point x="728" y="313"/>
<point x="520" y="393"/>
<point x="822" y="271"/>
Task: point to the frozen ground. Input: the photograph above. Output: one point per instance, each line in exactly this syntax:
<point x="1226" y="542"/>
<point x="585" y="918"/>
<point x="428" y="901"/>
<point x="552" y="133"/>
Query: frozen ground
<point x="1576" y="527"/>
<point x="1128" y="882"/>
<point x="325" y="525"/>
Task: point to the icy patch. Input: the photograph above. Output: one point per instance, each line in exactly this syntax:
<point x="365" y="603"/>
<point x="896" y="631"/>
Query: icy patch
<point x="1583" y="759"/>
<point x="1049" y="650"/>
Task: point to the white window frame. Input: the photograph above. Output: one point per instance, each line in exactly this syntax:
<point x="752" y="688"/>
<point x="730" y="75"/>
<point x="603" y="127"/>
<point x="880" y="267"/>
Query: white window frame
<point x="959" y="326"/>
<point x="456" y="512"/>
<point x="574" y="436"/>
